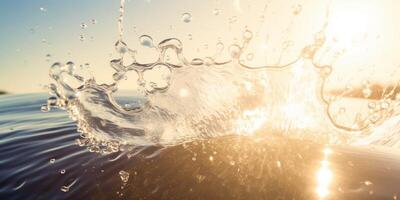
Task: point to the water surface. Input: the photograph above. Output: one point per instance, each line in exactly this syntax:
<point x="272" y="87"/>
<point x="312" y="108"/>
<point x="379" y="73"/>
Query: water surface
<point x="40" y="159"/>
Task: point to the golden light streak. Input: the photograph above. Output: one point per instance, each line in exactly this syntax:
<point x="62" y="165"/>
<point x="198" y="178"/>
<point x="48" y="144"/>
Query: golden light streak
<point x="324" y="176"/>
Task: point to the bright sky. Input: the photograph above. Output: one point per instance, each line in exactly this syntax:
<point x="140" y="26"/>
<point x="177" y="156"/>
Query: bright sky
<point x="368" y="31"/>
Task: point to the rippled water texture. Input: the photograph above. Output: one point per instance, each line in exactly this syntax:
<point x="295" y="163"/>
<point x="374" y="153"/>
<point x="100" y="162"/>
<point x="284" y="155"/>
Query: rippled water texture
<point x="41" y="160"/>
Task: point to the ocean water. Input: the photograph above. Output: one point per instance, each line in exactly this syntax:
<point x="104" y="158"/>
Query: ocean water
<point x="201" y="128"/>
<point x="41" y="159"/>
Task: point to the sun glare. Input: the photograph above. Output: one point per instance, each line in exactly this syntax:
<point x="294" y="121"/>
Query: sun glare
<point x="324" y="176"/>
<point x="350" y="21"/>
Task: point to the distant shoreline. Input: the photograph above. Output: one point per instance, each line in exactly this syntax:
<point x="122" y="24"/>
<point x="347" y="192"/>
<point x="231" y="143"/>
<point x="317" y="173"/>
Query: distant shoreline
<point x="3" y="92"/>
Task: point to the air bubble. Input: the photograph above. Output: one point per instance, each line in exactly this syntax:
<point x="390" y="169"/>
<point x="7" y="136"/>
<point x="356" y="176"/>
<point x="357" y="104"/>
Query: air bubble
<point x="52" y="161"/>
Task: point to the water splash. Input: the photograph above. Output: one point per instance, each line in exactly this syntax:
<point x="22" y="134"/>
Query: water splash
<point x="178" y="101"/>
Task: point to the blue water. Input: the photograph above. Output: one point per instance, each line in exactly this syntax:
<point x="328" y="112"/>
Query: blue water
<point x="230" y="167"/>
<point x="29" y="139"/>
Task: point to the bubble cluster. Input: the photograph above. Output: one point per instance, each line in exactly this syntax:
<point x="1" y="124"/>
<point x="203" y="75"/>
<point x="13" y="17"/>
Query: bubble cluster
<point x="124" y="176"/>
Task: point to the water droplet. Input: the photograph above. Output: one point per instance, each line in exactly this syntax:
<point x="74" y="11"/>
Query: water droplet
<point x="371" y="105"/>
<point x="190" y="37"/>
<point x="278" y="164"/>
<point x="55" y="69"/>
<point x="200" y="178"/>
<point x="297" y="9"/>
<point x="247" y="35"/>
<point x="65" y="188"/>
<point x="52" y="101"/>
<point x="121" y="47"/>
<point x="385" y="104"/>
<point x="216" y="12"/>
<point x="82" y="37"/>
<point x="43" y="9"/>
<point x="44" y="108"/>
<point x="124" y="176"/>
<point x="83" y="26"/>
<point x="48" y="57"/>
<point x="234" y="51"/>
<point x="326" y="71"/>
<point x="62" y="171"/>
<point x="232" y="162"/>
<point x="70" y="67"/>
<point x="197" y="61"/>
<point x="208" y="61"/>
<point x="367" y="183"/>
<point x="262" y="18"/>
<point x="94" y="21"/>
<point x="186" y="17"/>
<point x="211" y="158"/>
<point x="232" y="20"/>
<point x="220" y="47"/>
<point x="146" y="41"/>
<point x="250" y="56"/>
<point x="367" y="92"/>
<point x="52" y="160"/>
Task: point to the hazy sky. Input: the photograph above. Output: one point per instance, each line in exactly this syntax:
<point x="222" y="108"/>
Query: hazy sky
<point x="29" y="30"/>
